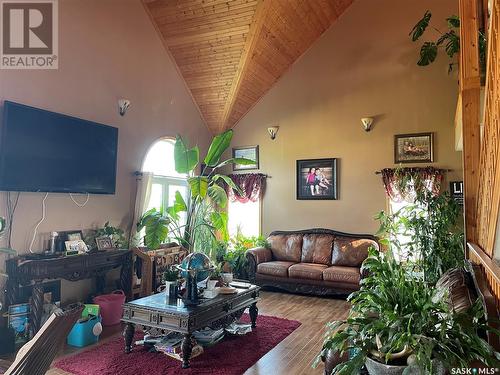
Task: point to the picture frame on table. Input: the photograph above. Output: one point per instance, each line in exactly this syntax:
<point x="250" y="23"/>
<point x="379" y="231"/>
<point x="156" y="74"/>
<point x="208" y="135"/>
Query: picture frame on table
<point x="317" y="179"/>
<point x="247" y="152"/>
<point x="414" y="148"/>
<point x="104" y="243"/>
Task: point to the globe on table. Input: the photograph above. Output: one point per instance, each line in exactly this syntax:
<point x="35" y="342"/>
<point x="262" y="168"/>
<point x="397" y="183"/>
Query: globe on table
<point x="199" y="263"/>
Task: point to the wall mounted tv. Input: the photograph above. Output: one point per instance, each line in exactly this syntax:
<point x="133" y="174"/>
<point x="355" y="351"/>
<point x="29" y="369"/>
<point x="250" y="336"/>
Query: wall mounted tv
<point x="50" y="152"/>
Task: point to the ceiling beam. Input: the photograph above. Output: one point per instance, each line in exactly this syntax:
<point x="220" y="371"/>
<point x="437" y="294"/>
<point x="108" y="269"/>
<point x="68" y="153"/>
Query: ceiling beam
<point x="252" y="38"/>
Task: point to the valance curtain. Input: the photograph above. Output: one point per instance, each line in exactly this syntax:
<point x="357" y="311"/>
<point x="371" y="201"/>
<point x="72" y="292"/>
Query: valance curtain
<point x="403" y="184"/>
<point x="251" y="185"/>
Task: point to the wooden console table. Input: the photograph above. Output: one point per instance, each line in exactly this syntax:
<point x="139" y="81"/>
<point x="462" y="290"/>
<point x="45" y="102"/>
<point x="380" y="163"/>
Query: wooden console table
<point x="28" y="270"/>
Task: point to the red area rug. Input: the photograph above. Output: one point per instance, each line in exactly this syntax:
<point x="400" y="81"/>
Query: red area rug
<point x="232" y="356"/>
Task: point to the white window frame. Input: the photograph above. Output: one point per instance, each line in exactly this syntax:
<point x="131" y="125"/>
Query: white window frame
<point x="166" y="182"/>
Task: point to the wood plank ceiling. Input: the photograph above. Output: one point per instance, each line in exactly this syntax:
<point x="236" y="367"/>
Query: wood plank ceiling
<point x="231" y="52"/>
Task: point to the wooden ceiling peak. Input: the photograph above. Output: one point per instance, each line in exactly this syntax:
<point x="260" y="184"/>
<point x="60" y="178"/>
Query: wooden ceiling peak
<point x="231" y="52"/>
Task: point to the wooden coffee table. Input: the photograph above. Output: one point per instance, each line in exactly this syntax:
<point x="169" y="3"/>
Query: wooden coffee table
<point x="158" y="312"/>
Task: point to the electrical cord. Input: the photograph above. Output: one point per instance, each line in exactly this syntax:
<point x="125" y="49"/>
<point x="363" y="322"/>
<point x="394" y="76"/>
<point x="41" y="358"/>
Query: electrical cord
<point x="11" y="209"/>
<point x="80" y="204"/>
<point x="38" y="224"/>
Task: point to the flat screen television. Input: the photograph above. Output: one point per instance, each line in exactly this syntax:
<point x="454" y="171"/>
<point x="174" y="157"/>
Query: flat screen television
<point x="49" y="152"/>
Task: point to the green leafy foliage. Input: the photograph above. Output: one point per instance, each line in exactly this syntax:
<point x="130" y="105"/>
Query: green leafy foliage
<point x="2" y="225"/>
<point x="420" y="27"/>
<point x="235" y="254"/>
<point x="205" y="219"/>
<point x="170" y="274"/>
<point x="428" y="53"/>
<point x="185" y="159"/>
<point x="395" y="315"/>
<point x="449" y="41"/>
<point x="116" y="234"/>
<point x="156" y="228"/>
<point x="427" y="234"/>
<point x="453" y="22"/>
<point x="198" y="186"/>
<point x="219" y="144"/>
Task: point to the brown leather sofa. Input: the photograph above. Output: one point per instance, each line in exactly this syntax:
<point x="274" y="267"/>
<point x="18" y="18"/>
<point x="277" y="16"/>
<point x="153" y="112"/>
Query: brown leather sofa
<point x="312" y="261"/>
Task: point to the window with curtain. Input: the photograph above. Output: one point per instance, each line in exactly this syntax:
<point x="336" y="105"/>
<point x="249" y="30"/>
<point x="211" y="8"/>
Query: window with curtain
<point x="244" y="206"/>
<point x="402" y="186"/>
<point x="165" y="180"/>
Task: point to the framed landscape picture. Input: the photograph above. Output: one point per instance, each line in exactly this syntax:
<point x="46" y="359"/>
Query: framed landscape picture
<point x="247" y="152"/>
<point x="317" y="179"/>
<point x="414" y="148"/>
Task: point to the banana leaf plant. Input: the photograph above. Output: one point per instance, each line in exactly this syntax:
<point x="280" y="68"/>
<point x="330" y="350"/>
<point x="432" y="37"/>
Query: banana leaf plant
<point x="204" y="211"/>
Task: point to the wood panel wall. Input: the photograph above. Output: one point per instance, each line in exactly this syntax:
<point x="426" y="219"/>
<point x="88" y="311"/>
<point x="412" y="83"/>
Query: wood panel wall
<point x="489" y="170"/>
<point x="231" y="52"/>
<point x="483" y="209"/>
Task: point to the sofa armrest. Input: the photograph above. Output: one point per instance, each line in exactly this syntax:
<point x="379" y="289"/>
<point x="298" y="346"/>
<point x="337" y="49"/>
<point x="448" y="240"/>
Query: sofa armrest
<point x="254" y="257"/>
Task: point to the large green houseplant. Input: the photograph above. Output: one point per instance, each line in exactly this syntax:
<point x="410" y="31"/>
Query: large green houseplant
<point x="395" y="320"/>
<point x="205" y="215"/>
<point x="428" y="231"/>
<point x="200" y="221"/>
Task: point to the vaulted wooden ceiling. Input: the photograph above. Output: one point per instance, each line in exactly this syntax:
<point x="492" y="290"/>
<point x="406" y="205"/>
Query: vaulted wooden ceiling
<point x="231" y="52"/>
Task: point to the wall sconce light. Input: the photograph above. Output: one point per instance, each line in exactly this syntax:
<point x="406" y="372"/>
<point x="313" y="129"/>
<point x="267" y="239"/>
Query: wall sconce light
<point x="123" y="105"/>
<point x="273" y="130"/>
<point x="367" y="123"/>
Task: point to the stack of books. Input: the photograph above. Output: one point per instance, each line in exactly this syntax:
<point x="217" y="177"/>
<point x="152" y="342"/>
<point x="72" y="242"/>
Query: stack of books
<point x="171" y="345"/>
<point x="208" y="336"/>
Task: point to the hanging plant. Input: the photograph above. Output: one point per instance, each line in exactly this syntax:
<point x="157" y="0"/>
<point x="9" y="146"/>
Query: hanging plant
<point x="449" y="41"/>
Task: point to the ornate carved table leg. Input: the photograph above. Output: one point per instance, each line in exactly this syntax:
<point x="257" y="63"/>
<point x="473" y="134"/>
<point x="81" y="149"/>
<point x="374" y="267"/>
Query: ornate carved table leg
<point x="187" y="349"/>
<point x="128" y="333"/>
<point x="36" y="307"/>
<point x="126" y="275"/>
<point x="100" y="283"/>
<point x="254" y="311"/>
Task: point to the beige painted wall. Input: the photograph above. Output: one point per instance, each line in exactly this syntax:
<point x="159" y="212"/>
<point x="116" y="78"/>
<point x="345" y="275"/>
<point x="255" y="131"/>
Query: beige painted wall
<point x="362" y="66"/>
<point x="108" y="49"/>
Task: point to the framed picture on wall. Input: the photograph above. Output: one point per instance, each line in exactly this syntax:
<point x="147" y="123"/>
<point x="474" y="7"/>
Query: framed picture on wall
<point x="317" y="179"/>
<point x="247" y="152"/>
<point x="414" y="148"/>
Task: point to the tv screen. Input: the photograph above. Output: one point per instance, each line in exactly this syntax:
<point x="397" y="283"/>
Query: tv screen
<point x="50" y="152"/>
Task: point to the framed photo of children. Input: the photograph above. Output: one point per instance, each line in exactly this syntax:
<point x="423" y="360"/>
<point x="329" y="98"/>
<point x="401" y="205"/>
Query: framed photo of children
<point x="414" y="148"/>
<point x="247" y="152"/>
<point x="317" y="179"/>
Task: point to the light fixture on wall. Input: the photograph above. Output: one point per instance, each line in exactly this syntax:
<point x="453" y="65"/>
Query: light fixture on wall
<point x="367" y="123"/>
<point x="123" y="105"/>
<point x="273" y="130"/>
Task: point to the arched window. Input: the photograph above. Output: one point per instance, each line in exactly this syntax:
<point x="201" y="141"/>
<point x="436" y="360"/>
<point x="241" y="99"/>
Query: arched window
<point x="166" y="181"/>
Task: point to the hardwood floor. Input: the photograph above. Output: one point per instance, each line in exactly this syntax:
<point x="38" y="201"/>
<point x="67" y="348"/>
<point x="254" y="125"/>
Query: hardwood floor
<point x="295" y="354"/>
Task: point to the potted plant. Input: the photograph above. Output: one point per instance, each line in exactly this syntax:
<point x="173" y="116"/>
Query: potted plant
<point x="156" y="225"/>
<point x="171" y="279"/>
<point x="3" y="227"/>
<point x="396" y="327"/>
<point x="206" y="219"/>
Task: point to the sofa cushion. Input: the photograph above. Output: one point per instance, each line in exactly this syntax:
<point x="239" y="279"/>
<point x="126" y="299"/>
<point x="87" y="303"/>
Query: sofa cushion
<point x="342" y="274"/>
<point x="307" y="271"/>
<point x="317" y="248"/>
<point x="286" y="247"/>
<point x="350" y="252"/>
<point x="274" y="268"/>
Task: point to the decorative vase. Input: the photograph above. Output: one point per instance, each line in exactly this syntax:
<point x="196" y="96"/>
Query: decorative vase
<point x="227" y="277"/>
<point x="171" y="290"/>
<point x="377" y="368"/>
